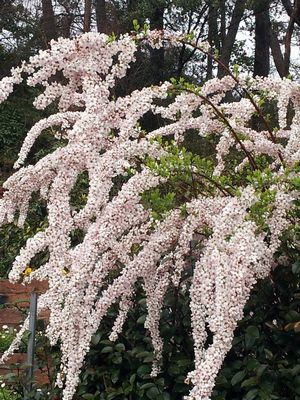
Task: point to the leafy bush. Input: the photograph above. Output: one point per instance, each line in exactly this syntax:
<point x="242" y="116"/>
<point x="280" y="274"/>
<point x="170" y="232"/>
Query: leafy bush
<point x="221" y="211"/>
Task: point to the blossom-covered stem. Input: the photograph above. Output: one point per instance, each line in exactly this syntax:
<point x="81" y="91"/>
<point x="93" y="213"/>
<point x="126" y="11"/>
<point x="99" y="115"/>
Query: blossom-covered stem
<point x="227" y="123"/>
<point x="246" y="92"/>
<point x="122" y="242"/>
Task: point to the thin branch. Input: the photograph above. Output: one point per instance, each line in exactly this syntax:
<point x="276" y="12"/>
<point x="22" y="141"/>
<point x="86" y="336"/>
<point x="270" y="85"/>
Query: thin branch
<point x="227" y="123"/>
<point x="245" y="91"/>
<point x="217" y="184"/>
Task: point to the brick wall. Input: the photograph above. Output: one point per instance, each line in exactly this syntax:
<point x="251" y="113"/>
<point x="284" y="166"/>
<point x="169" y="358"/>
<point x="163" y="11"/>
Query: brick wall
<point x="14" y="297"/>
<point x="14" y="300"/>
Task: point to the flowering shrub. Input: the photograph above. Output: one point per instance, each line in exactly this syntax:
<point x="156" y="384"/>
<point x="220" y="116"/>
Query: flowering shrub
<point x="137" y="222"/>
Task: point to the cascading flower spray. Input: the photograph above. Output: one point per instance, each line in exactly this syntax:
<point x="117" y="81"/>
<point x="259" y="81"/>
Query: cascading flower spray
<point x="103" y="139"/>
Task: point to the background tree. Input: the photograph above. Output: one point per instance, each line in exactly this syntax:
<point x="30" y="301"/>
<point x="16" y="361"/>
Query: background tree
<point x="262" y="38"/>
<point x="48" y="21"/>
<point x="231" y="33"/>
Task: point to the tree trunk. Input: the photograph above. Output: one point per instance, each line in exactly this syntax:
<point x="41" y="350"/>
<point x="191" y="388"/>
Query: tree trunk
<point x="262" y="38"/>
<point x="293" y="10"/>
<point x="230" y="37"/>
<point x="101" y="17"/>
<point x="157" y="55"/>
<point x="287" y="46"/>
<point x="48" y="22"/>
<point x="222" y="10"/>
<point x="66" y="23"/>
<point x="87" y="15"/>
<point x="276" y="53"/>
<point x="282" y="60"/>
<point x="213" y="36"/>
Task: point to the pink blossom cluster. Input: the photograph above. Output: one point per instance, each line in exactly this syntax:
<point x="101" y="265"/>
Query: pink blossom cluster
<point x="103" y="138"/>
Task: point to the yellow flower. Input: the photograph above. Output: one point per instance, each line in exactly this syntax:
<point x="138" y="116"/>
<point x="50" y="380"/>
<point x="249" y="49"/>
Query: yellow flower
<point x="27" y="271"/>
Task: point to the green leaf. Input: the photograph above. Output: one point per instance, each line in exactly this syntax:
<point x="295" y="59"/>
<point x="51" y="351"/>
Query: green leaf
<point x="152" y="393"/>
<point x="249" y="382"/>
<point x="236" y="70"/>
<point x="106" y="342"/>
<point x="142" y="301"/>
<point x="143" y="354"/>
<point x="143" y="370"/>
<point x="141" y="320"/>
<point x="107" y="349"/>
<point x="136" y="25"/>
<point x="148" y="359"/>
<point x="147" y="386"/>
<point x="117" y="358"/>
<point x="238" y="377"/>
<point x="164" y="396"/>
<point x="115" y="376"/>
<point x="251" y="395"/>
<point x="88" y="396"/>
<point x="238" y="364"/>
<point x="296" y="182"/>
<point x="111" y="38"/>
<point x="221" y="380"/>
<point x="269" y="354"/>
<point x="112" y="396"/>
<point x="185" y="362"/>
<point x="174" y="370"/>
<point x="252" y="364"/>
<point x="120" y="347"/>
<point x="252" y="334"/>
<point x="252" y="331"/>
<point x="132" y="379"/>
<point x="292" y="316"/>
<point x="261" y="370"/>
<point x="296" y="267"/>
<point x="96" y="338"/>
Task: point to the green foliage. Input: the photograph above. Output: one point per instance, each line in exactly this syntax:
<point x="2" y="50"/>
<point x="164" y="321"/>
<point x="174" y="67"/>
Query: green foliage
<point x="6" y="394"/>
<point x="121" y="370"/>
<point x="7" y="335"/>
<point x="80" y="191"/>
<point x="264" y="360"/>
<point x="188" y="175"/>
<point x="13" y="238"/>
<point x="17" y="116"/>
<point x="263" y="207"/>
<point x="159" y="203"/>
<point x="262" y="364"/>
<point x="136" y="25"/>
<point x="112" y="37"/>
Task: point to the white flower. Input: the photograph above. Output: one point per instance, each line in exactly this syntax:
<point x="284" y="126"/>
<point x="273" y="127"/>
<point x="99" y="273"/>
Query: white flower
<point x="103" y="141"/>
